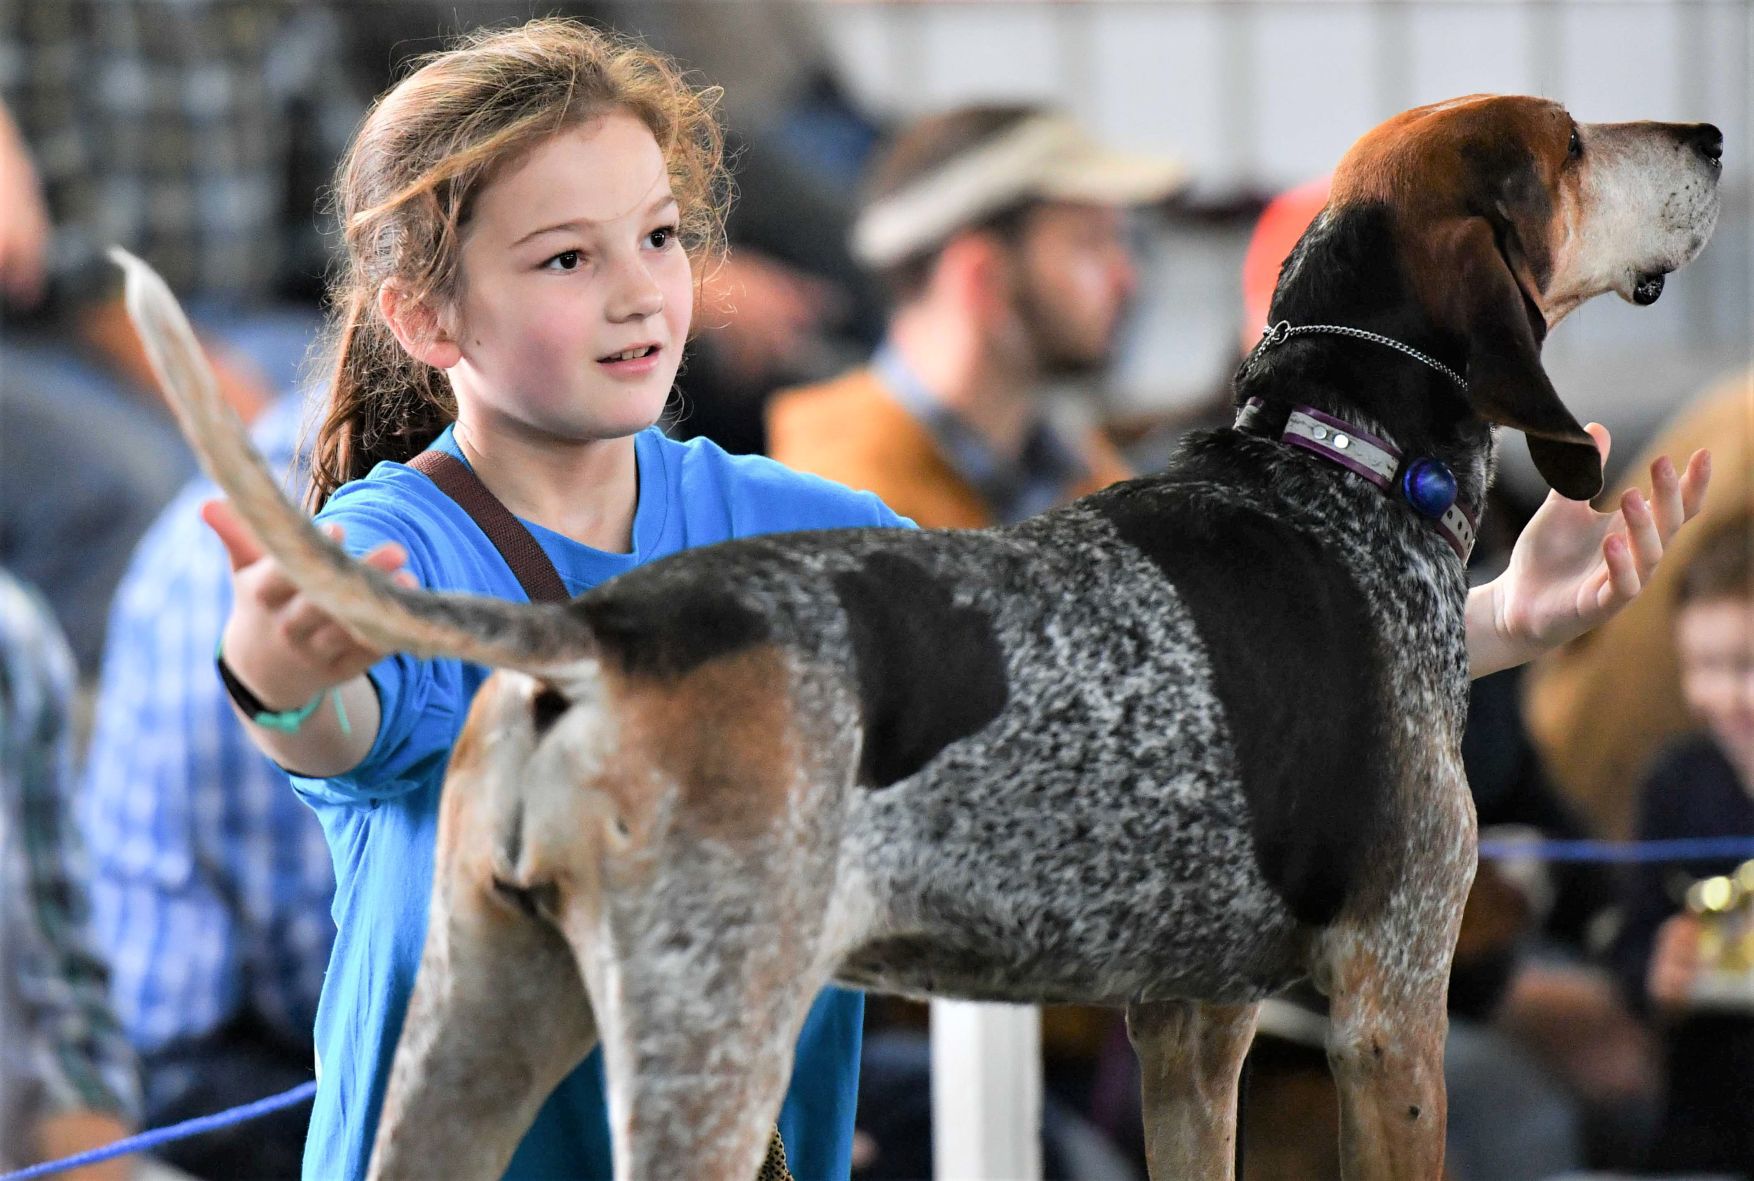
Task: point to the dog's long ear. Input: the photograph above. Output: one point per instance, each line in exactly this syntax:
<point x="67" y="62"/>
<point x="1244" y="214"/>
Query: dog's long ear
<point x="1483" y="304"/>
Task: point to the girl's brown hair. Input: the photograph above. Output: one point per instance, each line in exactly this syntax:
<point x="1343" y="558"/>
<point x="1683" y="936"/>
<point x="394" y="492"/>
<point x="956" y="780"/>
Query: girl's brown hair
<point x="407" y="184"/>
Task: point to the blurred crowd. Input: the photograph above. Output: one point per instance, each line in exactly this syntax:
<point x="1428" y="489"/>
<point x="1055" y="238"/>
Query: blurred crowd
<point x="164" y="920"/>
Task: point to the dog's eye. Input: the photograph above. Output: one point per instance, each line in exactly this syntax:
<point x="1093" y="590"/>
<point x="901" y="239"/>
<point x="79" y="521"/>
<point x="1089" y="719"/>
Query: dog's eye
<point x="1574" y="149"/>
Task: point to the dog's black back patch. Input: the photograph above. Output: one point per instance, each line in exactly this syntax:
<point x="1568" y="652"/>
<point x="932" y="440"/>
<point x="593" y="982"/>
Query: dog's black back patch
<point x="1293" y="656"/>
<point x="670" y="628"/>
<point x="930" y="672"/>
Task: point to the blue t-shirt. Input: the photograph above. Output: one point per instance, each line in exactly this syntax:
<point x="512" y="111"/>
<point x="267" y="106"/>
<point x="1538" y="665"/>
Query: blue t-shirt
<point x="381" y="818"/>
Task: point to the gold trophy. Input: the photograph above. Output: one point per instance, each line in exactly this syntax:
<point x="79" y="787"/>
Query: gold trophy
<point x="1725" y="909"/>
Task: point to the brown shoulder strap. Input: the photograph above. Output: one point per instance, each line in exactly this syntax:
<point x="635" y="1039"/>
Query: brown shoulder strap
<point x="521" y="551"/>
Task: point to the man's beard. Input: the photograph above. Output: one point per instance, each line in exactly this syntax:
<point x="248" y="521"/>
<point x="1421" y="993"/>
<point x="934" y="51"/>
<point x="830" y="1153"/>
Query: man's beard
<point x="1057" y="355"/>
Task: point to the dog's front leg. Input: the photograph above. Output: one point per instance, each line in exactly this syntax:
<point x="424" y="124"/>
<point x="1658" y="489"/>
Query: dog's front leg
<point x="1190" y="1056"/>
<point x="498" y="1017"/>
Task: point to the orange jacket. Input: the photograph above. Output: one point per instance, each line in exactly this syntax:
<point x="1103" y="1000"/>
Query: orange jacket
<point x="853" y="430"/>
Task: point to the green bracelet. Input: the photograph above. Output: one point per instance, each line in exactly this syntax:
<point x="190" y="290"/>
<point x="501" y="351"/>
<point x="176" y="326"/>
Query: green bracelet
<point x="287" y="721"/>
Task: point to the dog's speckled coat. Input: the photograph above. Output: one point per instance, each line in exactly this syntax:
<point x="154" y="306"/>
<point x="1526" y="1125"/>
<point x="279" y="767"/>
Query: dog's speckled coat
<point x="1171" y="747"/>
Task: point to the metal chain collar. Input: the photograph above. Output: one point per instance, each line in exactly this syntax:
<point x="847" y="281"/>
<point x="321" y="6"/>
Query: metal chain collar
<point x="1282" y="331"/>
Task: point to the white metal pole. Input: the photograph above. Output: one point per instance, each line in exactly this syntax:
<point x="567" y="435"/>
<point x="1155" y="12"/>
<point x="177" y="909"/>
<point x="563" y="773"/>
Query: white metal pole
<point x="986" y="1092"/>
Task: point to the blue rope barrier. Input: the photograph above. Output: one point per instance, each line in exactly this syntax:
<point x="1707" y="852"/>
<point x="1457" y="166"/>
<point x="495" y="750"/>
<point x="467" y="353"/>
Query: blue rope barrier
<point x="182" y="1131"/>
<point x="1613" y="852"/>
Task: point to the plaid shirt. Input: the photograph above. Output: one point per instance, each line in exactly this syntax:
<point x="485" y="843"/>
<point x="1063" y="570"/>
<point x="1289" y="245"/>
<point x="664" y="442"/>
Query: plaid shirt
<point x="193" y="132"/>
<point x="62" y="1049"/>
<point x="212" y="881"/>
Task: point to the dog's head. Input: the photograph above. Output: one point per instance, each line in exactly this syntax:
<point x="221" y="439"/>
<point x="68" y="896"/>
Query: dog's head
<point x="1507" y="214"/>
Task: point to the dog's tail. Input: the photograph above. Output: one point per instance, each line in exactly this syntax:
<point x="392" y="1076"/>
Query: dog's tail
<point x="538" y="638"/>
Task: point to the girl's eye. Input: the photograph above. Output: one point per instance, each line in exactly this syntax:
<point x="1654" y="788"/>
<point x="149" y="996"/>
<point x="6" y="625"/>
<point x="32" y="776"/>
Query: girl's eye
<point x="566" y="260"/>
<point x="661" y="237"/>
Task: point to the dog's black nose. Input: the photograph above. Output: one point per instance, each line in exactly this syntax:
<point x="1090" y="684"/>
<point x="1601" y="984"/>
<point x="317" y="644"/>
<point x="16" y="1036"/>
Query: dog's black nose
<point x="1707" y="140"/>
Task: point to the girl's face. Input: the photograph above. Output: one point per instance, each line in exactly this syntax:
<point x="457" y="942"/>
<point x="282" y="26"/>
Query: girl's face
<point x="1715" y="644"/>
<point x="576" y="294"/>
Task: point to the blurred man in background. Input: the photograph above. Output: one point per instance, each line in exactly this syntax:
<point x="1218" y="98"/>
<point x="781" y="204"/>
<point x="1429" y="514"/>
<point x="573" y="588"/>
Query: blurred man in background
<point x="1000" y="234"/>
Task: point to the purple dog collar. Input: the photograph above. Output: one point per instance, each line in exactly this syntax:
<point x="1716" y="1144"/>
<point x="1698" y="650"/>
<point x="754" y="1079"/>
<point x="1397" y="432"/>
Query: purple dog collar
<point x="1427" y="486"/>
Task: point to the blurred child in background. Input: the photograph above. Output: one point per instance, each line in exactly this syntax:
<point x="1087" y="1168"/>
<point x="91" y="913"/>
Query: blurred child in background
<point x="1701" y="785"/>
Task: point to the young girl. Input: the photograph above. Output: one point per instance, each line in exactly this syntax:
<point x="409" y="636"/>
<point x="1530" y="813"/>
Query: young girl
<point x="524" y="216"/>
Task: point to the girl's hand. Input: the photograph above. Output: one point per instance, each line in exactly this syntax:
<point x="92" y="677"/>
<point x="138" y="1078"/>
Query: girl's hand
<point x="1574" y="568"/>
<point x="1674" y="962"/>
<point x="280" y="644"/>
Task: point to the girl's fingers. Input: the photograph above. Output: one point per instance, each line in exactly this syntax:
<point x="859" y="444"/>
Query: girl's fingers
<point x="240" y="543"/>
<point x="1693" y="484"/>
<point x="1665" y="497"/>
<point x="267" y="583"/>
<point x="388" y="557"/>
<point x="1604" y="444"/>
<point x="1623" y="580"/>
<point x="1641" y="532"/>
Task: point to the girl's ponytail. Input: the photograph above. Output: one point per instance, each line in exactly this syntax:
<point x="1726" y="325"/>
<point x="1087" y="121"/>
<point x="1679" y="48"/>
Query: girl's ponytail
<point x="383" y="404"/>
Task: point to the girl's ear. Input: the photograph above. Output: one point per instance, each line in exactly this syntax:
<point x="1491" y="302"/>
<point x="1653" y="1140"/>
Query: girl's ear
<point x="417" y="328"/>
